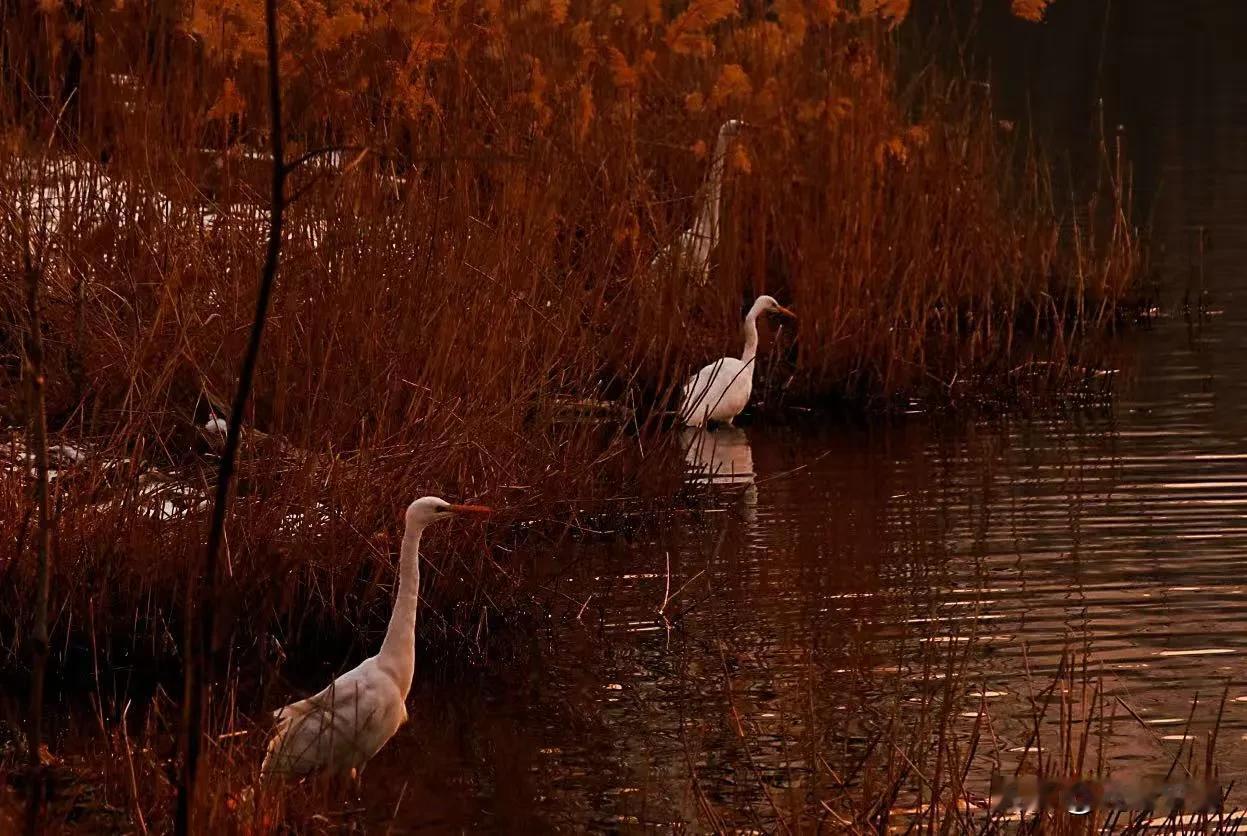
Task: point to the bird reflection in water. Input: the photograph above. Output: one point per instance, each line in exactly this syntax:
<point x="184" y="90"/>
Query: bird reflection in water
<point x="722" y="460"/>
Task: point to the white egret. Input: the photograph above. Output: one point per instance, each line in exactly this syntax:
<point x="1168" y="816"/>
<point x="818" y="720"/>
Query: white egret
<point x="721" y="390"/>
<point x="214" y="431"/>
<point x="338" y="730"/>
<point x="690" y="252"/>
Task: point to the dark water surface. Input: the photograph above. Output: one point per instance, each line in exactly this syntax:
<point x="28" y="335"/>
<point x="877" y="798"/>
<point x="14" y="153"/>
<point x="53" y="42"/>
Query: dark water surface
<point x="854" y="558"/>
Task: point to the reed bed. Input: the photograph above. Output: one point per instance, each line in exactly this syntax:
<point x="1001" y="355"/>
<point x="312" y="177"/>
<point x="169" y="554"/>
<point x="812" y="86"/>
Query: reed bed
<point x="469" y="302"/>
<point x="926" y="750"/>
<point x="478" y="197"/>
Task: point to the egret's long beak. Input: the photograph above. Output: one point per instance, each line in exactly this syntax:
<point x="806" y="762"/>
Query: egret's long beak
<point x="780" y="309"/>
<point x="472" y="510"/>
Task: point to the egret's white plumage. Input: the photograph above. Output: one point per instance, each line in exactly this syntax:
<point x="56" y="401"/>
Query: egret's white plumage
<point x="214" y="431"/>
<point x="338" y="730"/>
<point x="690" y="251"/>
<point x="721" y="390"/>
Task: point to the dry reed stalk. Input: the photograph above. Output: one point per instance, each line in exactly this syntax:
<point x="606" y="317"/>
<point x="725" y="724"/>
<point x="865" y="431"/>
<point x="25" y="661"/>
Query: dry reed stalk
<point x="902" y="768"/>
<point x="37" y="418"/>
<point x="199" y="658"/>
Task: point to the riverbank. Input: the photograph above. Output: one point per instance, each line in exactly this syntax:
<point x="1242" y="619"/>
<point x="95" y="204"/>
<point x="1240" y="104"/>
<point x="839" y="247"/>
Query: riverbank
<point x="438" y="310"/>
<point x="472" y="270"/>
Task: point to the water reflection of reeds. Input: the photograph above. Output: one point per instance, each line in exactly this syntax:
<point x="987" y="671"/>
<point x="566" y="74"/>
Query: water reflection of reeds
<point x="913" y="604"/>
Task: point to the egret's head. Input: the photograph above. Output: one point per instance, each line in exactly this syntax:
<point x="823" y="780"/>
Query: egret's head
<point x="430" y="509"/>
<point x="767" y="304"/>
<point x="214" y="432"/>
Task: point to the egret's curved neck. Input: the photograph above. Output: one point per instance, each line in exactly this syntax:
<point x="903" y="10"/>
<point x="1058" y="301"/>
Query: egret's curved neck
<point x="707" y="226"/>
<point x="398" y="651"/>
<point x="751" y="335"/>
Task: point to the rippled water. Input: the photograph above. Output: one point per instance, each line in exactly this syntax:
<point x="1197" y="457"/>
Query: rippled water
<point x="1119" y="534"/>
<point x="725" y="667"/>
<point x="737" y="661"/>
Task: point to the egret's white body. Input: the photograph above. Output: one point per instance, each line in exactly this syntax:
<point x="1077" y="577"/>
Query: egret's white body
<point x="721" y="390"/>
<point x="338" y="730"/>
<point x="690" y="251"/>
<point x="214" y="431"/>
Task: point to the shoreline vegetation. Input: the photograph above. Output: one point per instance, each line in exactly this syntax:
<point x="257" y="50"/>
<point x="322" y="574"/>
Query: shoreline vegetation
<point x="470" y="300"/>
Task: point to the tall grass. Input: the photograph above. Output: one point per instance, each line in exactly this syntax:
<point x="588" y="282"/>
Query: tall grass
<point x="923" y="751"/>
<point x="552" y="148"/>
<point x="476" y="196"/>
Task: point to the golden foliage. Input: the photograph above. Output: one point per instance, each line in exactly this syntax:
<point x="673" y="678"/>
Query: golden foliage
<point x="1032" y="10"/>
<point x="582" y="35"/>
<point x="770" y="99"/>
<point x="412" y="98"/>
<point x="893" y="12"/>
<point x="585" y="111"/>
<point x="792" y="18"/>
<point x="732" y="84"/>
<point x="622" y="73"/>
<point x="337" y="28"/>
<point x="411" y="16"/>
<point x="73" y="32"/>
<point x="642" y="11"/>
<point x="687" y="33"/>
<point x="537" y="93"/>
<point x="894" y="149"/>
<point x="229" y="103"/>
<point x="827" y="11"/>
<point x="624" y="90"/>
<point x="773" y="43"/>
<point x="557" y="10"/>
<point x="809" y="112"/>
<point x="645" y="65"/>
<point x="901" y="148"/>
<point x="628" y="231"/>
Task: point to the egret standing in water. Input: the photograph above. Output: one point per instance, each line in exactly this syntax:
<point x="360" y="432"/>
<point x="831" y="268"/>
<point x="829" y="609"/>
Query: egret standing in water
<point x="338" y="730"/>
<point x="721" y="390"/>
<point x="691" y="251"/>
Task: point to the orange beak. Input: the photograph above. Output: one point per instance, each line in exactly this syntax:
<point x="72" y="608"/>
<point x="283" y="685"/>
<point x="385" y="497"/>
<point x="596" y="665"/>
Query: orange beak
<point x="472" y="510"/>
<point x="780" y="309"/>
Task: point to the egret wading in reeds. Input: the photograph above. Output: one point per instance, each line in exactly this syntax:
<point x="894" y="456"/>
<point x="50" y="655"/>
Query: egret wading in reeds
<point x="721" y="390"/>
<point x="690" y="251"/>
<point x="337" y="731"/>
